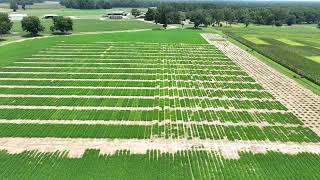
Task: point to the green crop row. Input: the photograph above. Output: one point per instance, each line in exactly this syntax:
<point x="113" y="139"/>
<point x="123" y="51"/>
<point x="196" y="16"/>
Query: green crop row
<point x="271" y="133"/>
<point x="191" y="164"/>
<point x="140" y="115"/>
<point x="191" y="93"/>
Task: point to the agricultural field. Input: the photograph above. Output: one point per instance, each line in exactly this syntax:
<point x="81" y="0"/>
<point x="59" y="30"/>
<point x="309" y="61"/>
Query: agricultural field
<point x="92" y="106"/>
<point x="296" y="47"/>
<point x="85" y="21"/>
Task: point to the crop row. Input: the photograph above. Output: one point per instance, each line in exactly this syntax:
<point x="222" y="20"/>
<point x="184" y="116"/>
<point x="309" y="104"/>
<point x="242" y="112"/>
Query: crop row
<point x="271" y="133"/>
<point x="140" y="115"/>
<point x="191" y="93"/>
<point x="127" y="83"/>
<point x="186" y="165"/>
<point x="132" y="76"/>
<point x="135" y="102"/>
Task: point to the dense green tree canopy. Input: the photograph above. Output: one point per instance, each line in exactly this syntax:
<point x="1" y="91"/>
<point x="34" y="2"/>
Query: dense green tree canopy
<point x="5" y="23"/>
<point x="32" y="25"/>
<point x="62" y="24"/>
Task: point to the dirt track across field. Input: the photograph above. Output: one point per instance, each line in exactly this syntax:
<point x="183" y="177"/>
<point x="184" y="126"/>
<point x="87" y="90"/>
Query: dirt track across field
<point x="76" y="147"/>
<point x="302" y="102"/>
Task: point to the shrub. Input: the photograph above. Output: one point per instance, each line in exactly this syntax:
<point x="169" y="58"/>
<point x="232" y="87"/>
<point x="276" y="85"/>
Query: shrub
<point x="62" y="24"/>
<point x="278" y="23"/>
<point x="32" y="25"/>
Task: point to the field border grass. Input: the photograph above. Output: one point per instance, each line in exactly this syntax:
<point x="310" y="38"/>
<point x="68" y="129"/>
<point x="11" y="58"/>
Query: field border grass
<point x="278" y="67"/>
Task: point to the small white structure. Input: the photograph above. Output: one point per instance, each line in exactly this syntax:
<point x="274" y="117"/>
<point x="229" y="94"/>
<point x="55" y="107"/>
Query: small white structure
<point x="16" y="16"/>
<point x="116" y="15"/>
<point x="142" y="16"/>
<point x="49" y="16"/>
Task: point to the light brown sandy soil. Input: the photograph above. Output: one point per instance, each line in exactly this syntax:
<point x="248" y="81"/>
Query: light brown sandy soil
<point x="101" y="108"/>
<point x="120" y="88"/>
<point x="302" y="102"/>
<point x="145" y="123"/>
<point x="76" y="147"/>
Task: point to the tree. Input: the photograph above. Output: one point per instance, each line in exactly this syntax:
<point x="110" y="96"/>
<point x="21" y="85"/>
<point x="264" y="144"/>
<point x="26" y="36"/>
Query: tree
<point x="14" y="5"/>
<point x="32" y="25"/>
<point x="229" y="16"/>
<point x="135" y="12"/>
<point x="103" y="4"/>
<point x="246" y="19"/>
<point x="5" y="23"/>
<point x="291" y="20"/>
<point x="218" y="16"/>
<point x="319" y="25"/>
<point x="62" y="24"/>
<point x="197" y="17"/>
<point x="150" y="14"/>
<point x="163" y="14"/>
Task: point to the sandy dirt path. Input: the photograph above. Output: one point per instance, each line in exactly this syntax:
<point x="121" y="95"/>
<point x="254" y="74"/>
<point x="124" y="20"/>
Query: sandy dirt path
<point x="76" y="147"/>
<point x="299" y="100"/>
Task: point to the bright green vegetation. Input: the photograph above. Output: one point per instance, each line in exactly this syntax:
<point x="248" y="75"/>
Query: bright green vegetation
<point x="288" y="46"/>
<point x="162" y="80"/>
<point x="216" y="132"/>
<point x="315" y="58"/>
<point x="156" y="165"/>
<point x="151" y="76"/>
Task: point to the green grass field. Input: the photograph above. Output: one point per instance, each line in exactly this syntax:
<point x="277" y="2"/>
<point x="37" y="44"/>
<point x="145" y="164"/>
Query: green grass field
<point x="180" y="85"/>
<point x="291" y="47"/>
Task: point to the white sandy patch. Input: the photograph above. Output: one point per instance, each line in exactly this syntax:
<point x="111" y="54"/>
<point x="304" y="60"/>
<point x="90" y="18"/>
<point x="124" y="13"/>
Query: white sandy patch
<point x="146" y="123"/>
<point x="102" y="108"/>
<point x="76" y="147"/>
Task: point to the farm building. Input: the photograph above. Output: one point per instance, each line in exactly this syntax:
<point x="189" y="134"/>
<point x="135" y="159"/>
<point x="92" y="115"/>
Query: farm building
<point x="16" y="17"/>
<point x="49" y="16"/>
<point x="116" y="15"/>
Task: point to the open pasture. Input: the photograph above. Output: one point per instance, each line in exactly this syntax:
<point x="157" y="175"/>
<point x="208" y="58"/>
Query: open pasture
<point x="291" y="47"/>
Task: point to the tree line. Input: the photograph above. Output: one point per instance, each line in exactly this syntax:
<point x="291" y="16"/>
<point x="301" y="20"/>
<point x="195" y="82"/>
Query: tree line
<point x="86" y="4"/>
<point x="214" y="14"/>
<point x="32" y="24"/>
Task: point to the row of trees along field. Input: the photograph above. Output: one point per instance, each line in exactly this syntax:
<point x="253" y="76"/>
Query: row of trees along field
<point x="32" y="24"/>
<point x="210" y="14"/>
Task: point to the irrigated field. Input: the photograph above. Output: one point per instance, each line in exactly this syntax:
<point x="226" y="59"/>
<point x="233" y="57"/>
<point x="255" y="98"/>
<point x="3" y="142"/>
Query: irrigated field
<point x="296" y="48"/>
<point x="175" y="110"/>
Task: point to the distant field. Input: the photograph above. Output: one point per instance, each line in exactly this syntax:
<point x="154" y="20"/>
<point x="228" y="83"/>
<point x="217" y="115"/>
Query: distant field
<point x="40" y="9"/>
<point x="92" y="25"/>
<point x="297" y="47"/>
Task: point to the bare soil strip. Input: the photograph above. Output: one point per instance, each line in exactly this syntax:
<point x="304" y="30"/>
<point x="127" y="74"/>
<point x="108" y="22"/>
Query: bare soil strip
<point x="130" y="88"/>
<point x="132" y="97"/>
<point x="77" y="147"/>
<point x="302" y="102"/>
<point x="101" y="108"/>
<point x="145" y="123"/>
